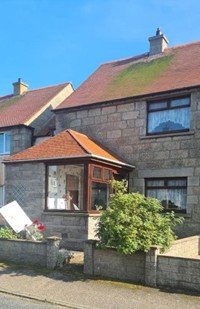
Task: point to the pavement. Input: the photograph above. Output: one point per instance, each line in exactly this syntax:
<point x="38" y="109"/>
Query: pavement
<point x="71" y="289"/>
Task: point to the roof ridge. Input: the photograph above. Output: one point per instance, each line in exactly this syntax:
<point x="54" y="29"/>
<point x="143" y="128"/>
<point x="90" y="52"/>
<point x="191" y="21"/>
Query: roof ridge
<point x="73" y="133"/>
<point x="51" y="86"/>
<point x="183" y="45"/>
<point x="137" y="57"/>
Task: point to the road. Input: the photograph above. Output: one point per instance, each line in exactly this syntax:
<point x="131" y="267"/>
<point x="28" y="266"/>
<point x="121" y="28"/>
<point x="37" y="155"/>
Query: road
<point x="14" y="302"/>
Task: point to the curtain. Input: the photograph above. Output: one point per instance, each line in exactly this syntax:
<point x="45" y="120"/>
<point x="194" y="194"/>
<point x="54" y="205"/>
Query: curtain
<point x="168" y="120"/>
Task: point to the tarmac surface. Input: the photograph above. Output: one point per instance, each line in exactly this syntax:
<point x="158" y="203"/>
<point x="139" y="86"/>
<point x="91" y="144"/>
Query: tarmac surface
<point x="71" y="289"/>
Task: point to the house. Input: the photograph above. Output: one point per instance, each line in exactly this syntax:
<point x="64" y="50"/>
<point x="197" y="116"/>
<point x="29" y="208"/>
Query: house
<point x="24" y="114"/>
<point x="144" y="109"/>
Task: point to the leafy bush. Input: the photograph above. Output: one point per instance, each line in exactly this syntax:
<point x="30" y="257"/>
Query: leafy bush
<point x="133" y="222"/>
<point x="6" y="232"/>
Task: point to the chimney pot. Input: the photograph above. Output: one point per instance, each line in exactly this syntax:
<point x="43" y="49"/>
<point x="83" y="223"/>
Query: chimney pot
<point x="158" y="43"/>
<point x="19" y="87"/>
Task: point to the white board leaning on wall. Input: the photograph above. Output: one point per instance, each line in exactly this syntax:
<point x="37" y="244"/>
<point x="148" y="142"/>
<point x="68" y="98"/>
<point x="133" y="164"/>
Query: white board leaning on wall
<point x="15" y="216"/>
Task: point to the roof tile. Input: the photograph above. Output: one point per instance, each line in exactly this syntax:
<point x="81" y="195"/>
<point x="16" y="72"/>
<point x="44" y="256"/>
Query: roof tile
<point x="175" y="68"/>
<point x="16" y="110"/>
<point x="66" y="144"/>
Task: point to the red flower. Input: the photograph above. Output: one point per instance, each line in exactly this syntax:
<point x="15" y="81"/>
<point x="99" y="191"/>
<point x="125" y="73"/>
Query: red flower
<point x="40" y="227"/>
<point x="35" y="221"/>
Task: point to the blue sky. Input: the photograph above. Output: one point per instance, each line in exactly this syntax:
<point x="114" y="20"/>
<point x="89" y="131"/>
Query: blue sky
<point x="47" y="42"/>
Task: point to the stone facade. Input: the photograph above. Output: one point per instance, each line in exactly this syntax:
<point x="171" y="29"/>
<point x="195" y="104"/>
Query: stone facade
<point x="25" y="183"/>
<point x="121" y="126"/>
<point x="21" y="138"/>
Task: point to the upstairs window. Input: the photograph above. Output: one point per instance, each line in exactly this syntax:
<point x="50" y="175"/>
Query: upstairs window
<point x="4" y="143"/>
<point x="171" y="192"/>
<point x="168" y="116"/>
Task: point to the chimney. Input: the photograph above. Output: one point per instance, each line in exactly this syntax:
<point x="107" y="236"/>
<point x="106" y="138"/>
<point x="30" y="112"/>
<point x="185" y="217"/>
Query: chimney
<point x="158" y="43"/>
<point x="19" y="87"/>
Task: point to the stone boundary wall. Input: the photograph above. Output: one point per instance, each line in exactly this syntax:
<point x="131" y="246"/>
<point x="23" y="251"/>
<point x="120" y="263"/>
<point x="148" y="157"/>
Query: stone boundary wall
<point x="36" y="253"/>
<point x="186" y="247"/>
<point x="151" y="268"/>
<point x="138" y="267"/>
<point x="180" y="273"/>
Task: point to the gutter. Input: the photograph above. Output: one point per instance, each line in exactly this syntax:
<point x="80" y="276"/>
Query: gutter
<point x="137" y="97"/>
<point x="75" y="157"/>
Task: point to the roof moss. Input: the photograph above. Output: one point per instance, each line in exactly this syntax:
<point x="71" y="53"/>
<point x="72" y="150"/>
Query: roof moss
<point x="137" y="77"/>
<point x="9" y="102"/>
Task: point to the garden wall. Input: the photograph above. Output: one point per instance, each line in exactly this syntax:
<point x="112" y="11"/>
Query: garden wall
<point x="177" y="268"/>
<point x="36" y="253"/>
<point x="138" y="267"/>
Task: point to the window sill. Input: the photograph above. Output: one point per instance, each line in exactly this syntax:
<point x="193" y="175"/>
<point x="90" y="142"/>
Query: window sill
<point x="184" y="215"/>
<point x="167" y="135"/>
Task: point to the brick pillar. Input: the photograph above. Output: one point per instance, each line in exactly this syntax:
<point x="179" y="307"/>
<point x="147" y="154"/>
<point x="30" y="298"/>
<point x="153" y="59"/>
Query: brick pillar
<point x="52" y="251"/>
<point x="89" y="257"/>
<point x="151" y="266"/>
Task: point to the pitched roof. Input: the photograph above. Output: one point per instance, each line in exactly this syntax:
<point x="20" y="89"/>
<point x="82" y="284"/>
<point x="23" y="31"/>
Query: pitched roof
<point x="17" y="110"/>
<point x="67" y="144"/>
<point x="175" y="68"/>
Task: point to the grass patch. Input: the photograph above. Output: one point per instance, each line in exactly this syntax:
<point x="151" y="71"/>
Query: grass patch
<point x="139" y="76"/>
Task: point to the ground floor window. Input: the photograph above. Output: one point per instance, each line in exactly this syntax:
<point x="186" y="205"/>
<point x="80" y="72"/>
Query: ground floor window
<point x="65" y="187"/>
<point x="100" y="195"/>
<point x="80" y="186"/>
<point x="172" y="192"/>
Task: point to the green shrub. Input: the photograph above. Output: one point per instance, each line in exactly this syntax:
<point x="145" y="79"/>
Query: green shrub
<point x="133" y="222"/>
<point x="8" y="233"/>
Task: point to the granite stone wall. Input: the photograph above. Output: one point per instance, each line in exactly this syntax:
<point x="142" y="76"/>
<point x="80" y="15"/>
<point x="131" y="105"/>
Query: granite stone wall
<point x="121" y="127"/>
<point x="21" y="138"/>
<point x="40" y="253"/>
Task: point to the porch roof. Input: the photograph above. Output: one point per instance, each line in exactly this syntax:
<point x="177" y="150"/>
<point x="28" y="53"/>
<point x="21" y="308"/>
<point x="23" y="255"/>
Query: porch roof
<point x="68" y="144"/>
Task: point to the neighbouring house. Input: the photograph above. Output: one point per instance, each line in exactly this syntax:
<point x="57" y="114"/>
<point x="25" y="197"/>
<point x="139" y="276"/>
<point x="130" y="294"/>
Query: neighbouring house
<point x="144" y="109"/>
<point x="25" y="116"/>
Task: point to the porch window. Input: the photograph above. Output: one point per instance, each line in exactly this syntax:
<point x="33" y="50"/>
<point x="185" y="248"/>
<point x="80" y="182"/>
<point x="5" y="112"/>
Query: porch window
<point x="172" y="192"/>
<point x="168" y="116"/>
<point x="101" y="187"/>
<point x="65" y="187"/>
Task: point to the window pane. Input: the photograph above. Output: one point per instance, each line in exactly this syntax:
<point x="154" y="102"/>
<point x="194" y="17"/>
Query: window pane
<point x="107" y="175"/>
<point x="169" y="120"/>
<point x="177" y="183"/>
<point x="180" y="102"/>
<point x="176" y="199"/>
<point x="171" y="198"/>
<point x="65" y="187"/>
<point x="155" y="183"/>
<point x="100" y="195"/>
<point x="7" y="143"/>
<point x="96" y="172"/>
<point x="159" y="194"/>
<point x="1" y="143"/>
<point x="153" y="106"/>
